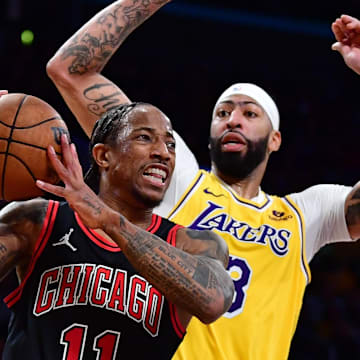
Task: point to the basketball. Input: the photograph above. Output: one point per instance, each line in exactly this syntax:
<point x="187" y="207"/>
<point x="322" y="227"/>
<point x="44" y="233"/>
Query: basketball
<point x="27" y="126"/>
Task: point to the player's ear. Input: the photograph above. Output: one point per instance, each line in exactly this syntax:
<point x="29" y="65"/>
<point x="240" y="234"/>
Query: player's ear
<point x="274" y="141"/>
<point x="100" y="153"/>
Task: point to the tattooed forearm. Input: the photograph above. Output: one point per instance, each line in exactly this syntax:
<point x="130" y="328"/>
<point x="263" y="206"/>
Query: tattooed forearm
<point x="209" y="244"/>
<point x="99" y="103"/>
<point x="194" y="282"/>
<point x="181" y="280"/>
<point x="92" y="48"/>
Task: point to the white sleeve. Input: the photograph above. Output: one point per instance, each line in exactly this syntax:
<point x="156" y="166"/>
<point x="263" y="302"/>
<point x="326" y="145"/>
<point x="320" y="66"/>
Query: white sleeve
<point x="323" y="207"/>
<point x="186" y="168"/>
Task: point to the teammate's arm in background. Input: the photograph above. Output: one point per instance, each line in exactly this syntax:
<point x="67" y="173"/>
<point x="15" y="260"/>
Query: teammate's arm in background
<point x="347" y="33"/>
<point x="20" y="226"/>
<point x="76" y="67"/>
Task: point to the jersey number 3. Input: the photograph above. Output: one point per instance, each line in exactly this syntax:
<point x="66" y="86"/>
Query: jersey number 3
<point x="74" y="338"/>
<point x="240" y="273"/>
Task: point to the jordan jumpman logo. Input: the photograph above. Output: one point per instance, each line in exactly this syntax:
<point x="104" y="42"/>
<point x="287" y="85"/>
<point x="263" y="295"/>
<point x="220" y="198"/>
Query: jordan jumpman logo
<point x="65" y="241"/>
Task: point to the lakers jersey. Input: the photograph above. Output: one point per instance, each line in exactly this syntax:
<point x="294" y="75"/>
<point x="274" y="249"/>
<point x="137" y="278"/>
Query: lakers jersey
<point x="267" y="264"/>
<point x="81" y="299"/>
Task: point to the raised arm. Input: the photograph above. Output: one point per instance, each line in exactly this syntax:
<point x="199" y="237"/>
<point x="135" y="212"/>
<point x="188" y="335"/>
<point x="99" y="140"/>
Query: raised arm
<point x="346" y="30"/>
<point x="76" y="67"/>
<point x="20" y="226"/>
<point x="192" y="276"/>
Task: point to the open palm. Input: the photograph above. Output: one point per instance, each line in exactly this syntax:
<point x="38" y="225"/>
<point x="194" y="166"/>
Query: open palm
<point x="347" y="33"/>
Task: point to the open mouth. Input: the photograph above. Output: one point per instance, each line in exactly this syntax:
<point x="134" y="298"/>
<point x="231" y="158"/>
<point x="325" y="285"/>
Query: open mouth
<point x="156" y="175"/>
<point x="233" y="141"/>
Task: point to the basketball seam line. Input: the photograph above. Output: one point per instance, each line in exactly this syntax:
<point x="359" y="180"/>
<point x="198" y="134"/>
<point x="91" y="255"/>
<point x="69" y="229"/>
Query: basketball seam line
<point x="8" y="145"/>
<point x="23" y="162"/>
<point x="30" y="126"/>
<point x="25" y="143"/>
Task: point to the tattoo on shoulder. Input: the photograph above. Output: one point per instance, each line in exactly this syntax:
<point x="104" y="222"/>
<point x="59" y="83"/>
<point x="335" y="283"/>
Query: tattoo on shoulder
<point x="35" y="214"/>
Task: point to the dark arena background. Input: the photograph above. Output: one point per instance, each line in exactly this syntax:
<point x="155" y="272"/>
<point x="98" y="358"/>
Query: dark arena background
<point x="181" y="60"/>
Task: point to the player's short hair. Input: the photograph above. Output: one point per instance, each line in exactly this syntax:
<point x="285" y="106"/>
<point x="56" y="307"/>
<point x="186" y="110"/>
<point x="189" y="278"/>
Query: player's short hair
<point x="106" y="131"/>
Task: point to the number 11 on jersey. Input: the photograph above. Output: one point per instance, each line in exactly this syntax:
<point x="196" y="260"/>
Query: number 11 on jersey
<point x="74" y="339"/>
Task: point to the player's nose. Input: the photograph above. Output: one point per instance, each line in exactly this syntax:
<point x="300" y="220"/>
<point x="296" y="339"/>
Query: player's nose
<point x="236" y="119"/>
<point x="160" y="150"/>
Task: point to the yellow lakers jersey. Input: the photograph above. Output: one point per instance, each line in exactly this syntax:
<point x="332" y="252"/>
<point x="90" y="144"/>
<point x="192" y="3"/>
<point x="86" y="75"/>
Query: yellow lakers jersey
<point x="267" y="264"/>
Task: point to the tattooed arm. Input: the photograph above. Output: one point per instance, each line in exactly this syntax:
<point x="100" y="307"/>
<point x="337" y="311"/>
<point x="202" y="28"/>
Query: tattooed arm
<point x="75" y="68"/>
<point x="20" y="226"/>
<point x="192" y="276"/>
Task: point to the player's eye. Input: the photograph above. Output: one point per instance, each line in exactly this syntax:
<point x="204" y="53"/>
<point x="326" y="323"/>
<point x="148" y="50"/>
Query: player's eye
<point x="171" y="145"/>
<point x="250" y="114"/>
<point x="223" y="113"/>
<point x="143" y="137"/>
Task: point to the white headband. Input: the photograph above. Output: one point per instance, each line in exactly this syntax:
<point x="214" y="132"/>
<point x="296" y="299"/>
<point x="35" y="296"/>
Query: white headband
<point x="259" y="95"/>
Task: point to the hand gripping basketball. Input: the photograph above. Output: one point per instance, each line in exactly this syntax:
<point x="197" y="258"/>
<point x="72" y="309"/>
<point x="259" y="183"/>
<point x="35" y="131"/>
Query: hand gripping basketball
<point x="80" y="197"/>
<point x="27" y="126"/>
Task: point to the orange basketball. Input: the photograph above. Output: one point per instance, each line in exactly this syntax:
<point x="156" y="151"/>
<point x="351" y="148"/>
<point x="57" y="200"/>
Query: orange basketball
<point x="27" y="126"/>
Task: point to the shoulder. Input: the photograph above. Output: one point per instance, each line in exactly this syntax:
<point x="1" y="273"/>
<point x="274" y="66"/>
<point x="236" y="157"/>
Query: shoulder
<point x="19" y="213"/>
<point x="204" y="242"/>
<point x="20" y="225"/>
<point x="326" y="194"/>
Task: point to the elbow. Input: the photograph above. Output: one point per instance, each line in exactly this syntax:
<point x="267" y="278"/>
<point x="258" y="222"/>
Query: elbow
<point x="57" y="72"/>
<point x="210" y="315"/>
<point x="220" y="305"/>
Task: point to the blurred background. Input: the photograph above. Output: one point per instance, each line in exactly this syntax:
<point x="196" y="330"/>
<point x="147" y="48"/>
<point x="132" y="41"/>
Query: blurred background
<point x="181" y="60"/>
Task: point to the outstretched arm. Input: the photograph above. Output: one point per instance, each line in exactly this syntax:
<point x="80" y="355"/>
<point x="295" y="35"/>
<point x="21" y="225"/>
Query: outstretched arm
<point x="347" y="33"/>
<point x="76" y="67"/>
<point x="194" y="279"/>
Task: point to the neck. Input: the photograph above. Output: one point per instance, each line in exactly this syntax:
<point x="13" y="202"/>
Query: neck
<point x="134" y="212"/>
<point x="246" y="188"/>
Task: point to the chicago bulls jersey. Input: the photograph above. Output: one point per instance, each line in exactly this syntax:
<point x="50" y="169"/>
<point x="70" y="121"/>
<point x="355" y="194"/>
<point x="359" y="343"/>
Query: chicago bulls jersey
<point x="82" y="299"/>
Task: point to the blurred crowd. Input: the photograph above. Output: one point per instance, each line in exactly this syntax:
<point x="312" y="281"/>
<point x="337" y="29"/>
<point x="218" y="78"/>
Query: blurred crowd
<point x="183" y="72"/>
